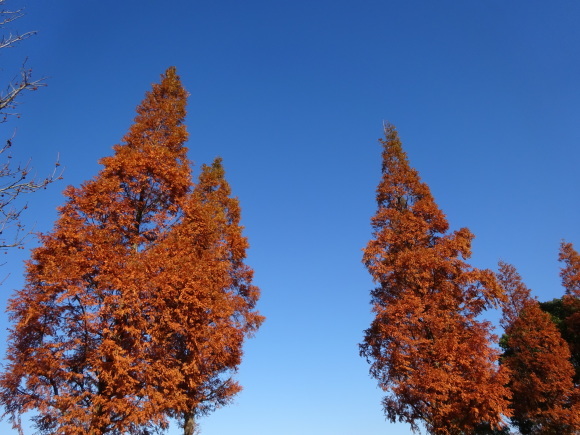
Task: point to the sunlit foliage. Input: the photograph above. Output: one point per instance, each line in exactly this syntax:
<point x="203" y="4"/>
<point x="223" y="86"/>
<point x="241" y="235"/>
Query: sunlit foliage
<point x="427" y="348"/>
<point x="137" y="303"/>
<point x="538" y="359"/>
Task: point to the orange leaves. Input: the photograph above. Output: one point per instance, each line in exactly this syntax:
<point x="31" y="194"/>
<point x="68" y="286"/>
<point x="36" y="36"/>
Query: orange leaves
<point x="571" y="271"/>
<point x="544" y="397"/>
<point x="137" y="303"/>
<point x="425" y="346"/>
<point x="570" y="274"/>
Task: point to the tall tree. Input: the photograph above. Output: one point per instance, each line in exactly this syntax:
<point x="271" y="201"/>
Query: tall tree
<point x="137" y="304"/>
<point x="571" y="271"/>
<point x="544" y="398"/>
<point x="426" y="347"/>
<point x="205" y="300"/>
<point x="570" y="274"/>
<point x="77" y="351"/>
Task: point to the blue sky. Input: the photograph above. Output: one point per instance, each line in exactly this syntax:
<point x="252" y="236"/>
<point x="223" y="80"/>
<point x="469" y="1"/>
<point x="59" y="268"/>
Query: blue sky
<point x="292" y="95"/>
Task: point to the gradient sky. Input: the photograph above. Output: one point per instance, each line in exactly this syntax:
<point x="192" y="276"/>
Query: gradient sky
<point x="292" y="95"/>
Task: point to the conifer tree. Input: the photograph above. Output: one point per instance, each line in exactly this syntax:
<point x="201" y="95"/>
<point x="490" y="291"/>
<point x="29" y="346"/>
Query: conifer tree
<point x="74" y="352"/>
<point x="571" y="271"/>
<point x="570" y="274"/>
<point x="212" y="306"/>
<point x="427" y="349"/>
<point x="100" y="341"/>
<point x="544" y="399"/>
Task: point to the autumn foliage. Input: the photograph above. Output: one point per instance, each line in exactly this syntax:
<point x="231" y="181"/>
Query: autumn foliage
<point x="427" y="349"/>
<point x="206" y="288"/>
<point x="544" y="398"/>
<point x="137" y="303"/>
<point x="570" y="275"/>
<point x="571" y="271"/>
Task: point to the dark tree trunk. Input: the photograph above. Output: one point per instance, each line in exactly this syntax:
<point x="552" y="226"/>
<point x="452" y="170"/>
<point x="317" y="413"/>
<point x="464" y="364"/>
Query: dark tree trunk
<point x="189" y="424"/>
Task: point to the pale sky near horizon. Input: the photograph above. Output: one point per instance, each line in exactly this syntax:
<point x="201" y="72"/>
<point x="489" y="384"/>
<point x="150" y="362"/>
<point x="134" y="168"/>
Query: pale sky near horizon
<point x="292" y="95"/>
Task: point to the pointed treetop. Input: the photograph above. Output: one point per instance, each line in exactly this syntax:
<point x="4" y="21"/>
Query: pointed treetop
<point x="212" y="181"/>
<point x="162" y="110"/>
<point x="393" y="142"/>
<point x="406" y="205"/>
<point x="517" y="294"/>
<point x="151" y="161"/>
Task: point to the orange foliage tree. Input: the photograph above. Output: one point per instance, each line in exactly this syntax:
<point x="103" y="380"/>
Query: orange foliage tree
<point x="135" y="263"/>
<point x="538" y="359"/>
<point x="211" y="304"/>
<point x="426" y="348"/>
<point x="571" y="271"/>
<point x="570" y="274"/>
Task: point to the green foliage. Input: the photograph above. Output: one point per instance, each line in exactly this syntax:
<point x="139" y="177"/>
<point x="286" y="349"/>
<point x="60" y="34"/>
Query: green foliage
<point x="486" y="429"/>
<point x="559" y="311"/>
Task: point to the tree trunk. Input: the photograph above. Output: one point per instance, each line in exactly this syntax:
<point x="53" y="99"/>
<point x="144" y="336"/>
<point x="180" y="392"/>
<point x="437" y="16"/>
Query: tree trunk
<point x="189" y="425"/>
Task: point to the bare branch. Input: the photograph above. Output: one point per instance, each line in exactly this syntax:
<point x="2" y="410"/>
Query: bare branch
<point x="16" y="180"/>
<point x="7" y="17"/>
<point x="10" y="39"/>
<point x="15" y="88"/>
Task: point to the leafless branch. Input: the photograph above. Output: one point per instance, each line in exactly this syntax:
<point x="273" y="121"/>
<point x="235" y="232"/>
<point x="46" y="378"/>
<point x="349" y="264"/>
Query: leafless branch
<point x="16" y="180"/>
<point x="23" y="80"/>
<point x="7" y="17"/>
<point x="14" y="88"/>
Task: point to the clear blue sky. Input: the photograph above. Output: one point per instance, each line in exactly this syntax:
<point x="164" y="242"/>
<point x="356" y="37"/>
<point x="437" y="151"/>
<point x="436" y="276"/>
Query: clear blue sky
<point x="292" y="95"/>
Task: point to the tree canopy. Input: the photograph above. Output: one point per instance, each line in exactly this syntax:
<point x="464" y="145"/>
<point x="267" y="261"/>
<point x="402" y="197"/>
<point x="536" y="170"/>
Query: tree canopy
<point x="136" y="304"/>
<point x="427" y="348"/>
<point x="538" y="359"/>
